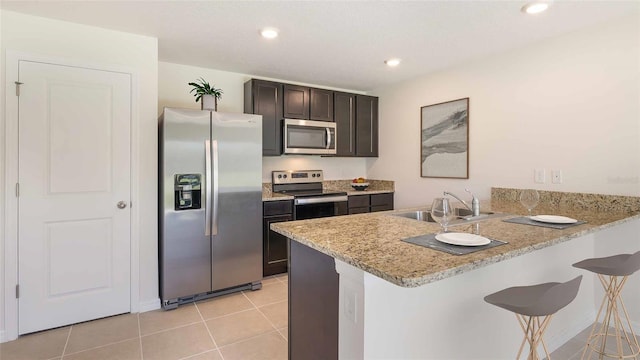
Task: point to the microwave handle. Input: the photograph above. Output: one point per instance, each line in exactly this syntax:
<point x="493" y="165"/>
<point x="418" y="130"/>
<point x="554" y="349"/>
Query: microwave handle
<point x="329" y="140"/>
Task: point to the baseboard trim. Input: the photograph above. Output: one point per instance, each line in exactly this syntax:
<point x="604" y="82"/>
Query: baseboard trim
<point x="150" y="305"/>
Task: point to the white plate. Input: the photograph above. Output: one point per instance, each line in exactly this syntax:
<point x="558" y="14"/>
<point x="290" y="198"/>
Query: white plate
<point x="554" y="219"/>
<point x="463" y="239"/>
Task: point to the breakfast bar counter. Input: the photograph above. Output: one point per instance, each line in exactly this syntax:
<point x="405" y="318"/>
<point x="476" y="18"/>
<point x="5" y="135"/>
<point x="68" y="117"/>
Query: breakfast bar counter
<point x="372" y="242"/>
<point x="398" y="300"/>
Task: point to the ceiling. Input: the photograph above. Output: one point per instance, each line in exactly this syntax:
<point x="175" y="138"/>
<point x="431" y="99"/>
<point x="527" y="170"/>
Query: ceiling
<point x="340" y="44"/>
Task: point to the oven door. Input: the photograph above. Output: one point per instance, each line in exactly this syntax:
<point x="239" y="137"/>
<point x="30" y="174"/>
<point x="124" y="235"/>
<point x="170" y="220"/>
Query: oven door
<point x="309" y="137"/>
<point x="311" y="208"/>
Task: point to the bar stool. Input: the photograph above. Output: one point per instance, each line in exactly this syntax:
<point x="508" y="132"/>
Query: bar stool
<point x="529" y="303"/>
<point x="617" y="268"/>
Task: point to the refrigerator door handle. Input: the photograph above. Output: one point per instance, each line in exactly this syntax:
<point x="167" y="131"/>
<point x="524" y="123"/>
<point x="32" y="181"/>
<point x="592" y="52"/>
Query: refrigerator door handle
<point x="207" y="177"/>
<point x="214" y="228"/>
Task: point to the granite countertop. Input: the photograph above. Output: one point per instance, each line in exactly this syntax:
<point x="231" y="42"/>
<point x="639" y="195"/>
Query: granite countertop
<point x="375" y="187"/>
<point x="372" y="242"/>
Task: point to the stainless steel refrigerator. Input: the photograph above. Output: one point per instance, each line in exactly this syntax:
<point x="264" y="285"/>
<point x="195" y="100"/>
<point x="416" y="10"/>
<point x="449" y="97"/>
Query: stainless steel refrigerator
<point x="210" y="202"/>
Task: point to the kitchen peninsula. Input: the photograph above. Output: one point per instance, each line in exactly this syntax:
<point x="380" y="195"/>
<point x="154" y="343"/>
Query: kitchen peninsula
<point x="357" y="291"/>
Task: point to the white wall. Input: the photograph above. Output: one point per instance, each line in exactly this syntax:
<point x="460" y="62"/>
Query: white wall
<point x="2" y="184"/>
<point x="173" y="91"/>
<point x="91" y="45"/>
<point x="570" y="103"/>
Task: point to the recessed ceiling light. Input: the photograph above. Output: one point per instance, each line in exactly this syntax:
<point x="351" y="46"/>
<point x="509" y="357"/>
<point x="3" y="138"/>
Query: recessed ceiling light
<point x="269" y="33"/>
<point x="535" y="7"/>
<point x="392" y="62"/>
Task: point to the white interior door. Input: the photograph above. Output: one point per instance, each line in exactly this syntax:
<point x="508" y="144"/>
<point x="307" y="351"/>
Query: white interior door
<point x="73" y="170"/>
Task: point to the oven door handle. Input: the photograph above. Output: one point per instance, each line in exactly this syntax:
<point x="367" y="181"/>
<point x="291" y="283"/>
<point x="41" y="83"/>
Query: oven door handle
<point x="320" y="200"/>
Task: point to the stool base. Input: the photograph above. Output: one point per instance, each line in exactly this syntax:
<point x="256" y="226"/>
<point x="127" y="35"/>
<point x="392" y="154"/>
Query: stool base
<point x="612" y="325"/>
<point x="533" y="330"/>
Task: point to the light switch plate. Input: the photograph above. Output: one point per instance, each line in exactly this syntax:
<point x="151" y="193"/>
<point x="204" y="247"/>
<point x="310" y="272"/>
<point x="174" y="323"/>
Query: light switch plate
<point x="556" y="176"/>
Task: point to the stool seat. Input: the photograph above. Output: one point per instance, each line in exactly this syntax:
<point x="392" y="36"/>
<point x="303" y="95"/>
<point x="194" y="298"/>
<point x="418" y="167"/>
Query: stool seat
<point x="536" y="300"/>
<point x="530" y="304"/>
<point x="614" y="326"/>
<point x="617" y="265"/>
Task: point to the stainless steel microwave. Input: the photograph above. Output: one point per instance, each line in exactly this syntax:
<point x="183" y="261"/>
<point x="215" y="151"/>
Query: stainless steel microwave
<point x="309" y="137"/>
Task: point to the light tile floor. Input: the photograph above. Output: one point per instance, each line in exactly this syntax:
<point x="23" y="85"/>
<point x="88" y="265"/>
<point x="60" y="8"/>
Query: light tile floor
<point x="247" y="325"/>
<point x="573" y="349"/>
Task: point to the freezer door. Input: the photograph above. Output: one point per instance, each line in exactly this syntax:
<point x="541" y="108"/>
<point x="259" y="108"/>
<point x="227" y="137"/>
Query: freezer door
<point x="236" y="250"/>
<point x="185" y="248"/>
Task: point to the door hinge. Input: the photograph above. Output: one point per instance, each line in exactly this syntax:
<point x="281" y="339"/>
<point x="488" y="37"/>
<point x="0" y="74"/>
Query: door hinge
<point x="17" y="189"/>
<point x="17" y="291"/>
<point x="18" y="83"/>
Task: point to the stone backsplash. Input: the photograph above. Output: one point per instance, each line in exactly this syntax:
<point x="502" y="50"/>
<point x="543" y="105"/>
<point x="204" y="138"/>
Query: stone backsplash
<point x="551" y="201"/>
<point x="342" y="185"/>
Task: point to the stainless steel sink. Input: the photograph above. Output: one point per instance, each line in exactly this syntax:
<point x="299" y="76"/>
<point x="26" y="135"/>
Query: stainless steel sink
<point x="417" y="215"/>
<point x="463" y="216"/>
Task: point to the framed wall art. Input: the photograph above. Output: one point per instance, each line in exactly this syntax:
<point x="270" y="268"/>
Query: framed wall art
<point x="444" y="142"/>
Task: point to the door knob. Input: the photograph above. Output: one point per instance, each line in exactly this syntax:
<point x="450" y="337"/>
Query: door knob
<point x="122" y="204"/>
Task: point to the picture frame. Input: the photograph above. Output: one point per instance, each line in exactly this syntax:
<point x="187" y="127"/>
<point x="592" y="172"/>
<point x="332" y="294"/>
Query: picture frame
<point x="444" y="140"/>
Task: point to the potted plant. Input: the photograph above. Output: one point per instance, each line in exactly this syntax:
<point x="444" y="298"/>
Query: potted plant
<point x="209" y="94"/>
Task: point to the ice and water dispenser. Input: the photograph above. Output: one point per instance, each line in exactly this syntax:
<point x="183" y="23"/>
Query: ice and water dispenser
<point x="187" y="191"/>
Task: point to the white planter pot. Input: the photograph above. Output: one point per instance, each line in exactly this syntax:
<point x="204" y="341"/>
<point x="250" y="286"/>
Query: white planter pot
<point x="209" y="102"/>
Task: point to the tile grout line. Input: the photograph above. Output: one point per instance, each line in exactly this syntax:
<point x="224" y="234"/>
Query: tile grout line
<point x="227" y="315"/>
<point x="287" y="285"/>
<point x="265" y="316"/>
<point x="249" y="338"/>
<point x="140" y="338"/>
<point x="281" y="334"/>
<point x="66" y="343"/>
<point x="215" y="344"/>
<point x="100" y="346"/>
<point x="169" y="329"/>
<point x="200" y="353"/>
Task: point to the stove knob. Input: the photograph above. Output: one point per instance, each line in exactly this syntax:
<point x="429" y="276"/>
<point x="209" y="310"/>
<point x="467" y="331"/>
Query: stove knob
<point x="313" y="175"/>
<point x="285" y="176"/>
<point x="279" y="176"/>
<point x="318" y="175"/>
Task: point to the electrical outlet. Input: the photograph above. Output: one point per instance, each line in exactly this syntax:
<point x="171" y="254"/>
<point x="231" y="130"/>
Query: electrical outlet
<point x="539" y="176"/>
<point x="556" y="176"/>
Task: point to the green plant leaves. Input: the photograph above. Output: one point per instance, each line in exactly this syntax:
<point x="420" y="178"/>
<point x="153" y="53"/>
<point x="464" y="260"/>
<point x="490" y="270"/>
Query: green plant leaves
<point x="202" y="87"/>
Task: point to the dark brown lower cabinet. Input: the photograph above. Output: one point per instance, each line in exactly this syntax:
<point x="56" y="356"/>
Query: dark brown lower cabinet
<point x="370" y="203"/>
<point x="275" y="245"/>
<point x="313" y="304"/>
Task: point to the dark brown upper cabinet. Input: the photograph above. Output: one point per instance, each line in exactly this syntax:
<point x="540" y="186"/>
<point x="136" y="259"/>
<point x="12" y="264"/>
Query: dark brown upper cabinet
<point x="265" y="98"/>
<point x="356" y="116"/>
<point x="345" y="117"/>
<point x="296" y="102"/>
<point x="321" y="107"/>
<point x="366" y="126"/>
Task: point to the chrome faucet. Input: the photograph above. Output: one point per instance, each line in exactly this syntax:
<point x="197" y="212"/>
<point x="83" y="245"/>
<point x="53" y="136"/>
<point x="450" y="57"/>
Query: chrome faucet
<point x="475" y="203"/>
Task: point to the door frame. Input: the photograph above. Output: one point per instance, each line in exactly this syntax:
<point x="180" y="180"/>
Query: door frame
<point x="10" y="263"/>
